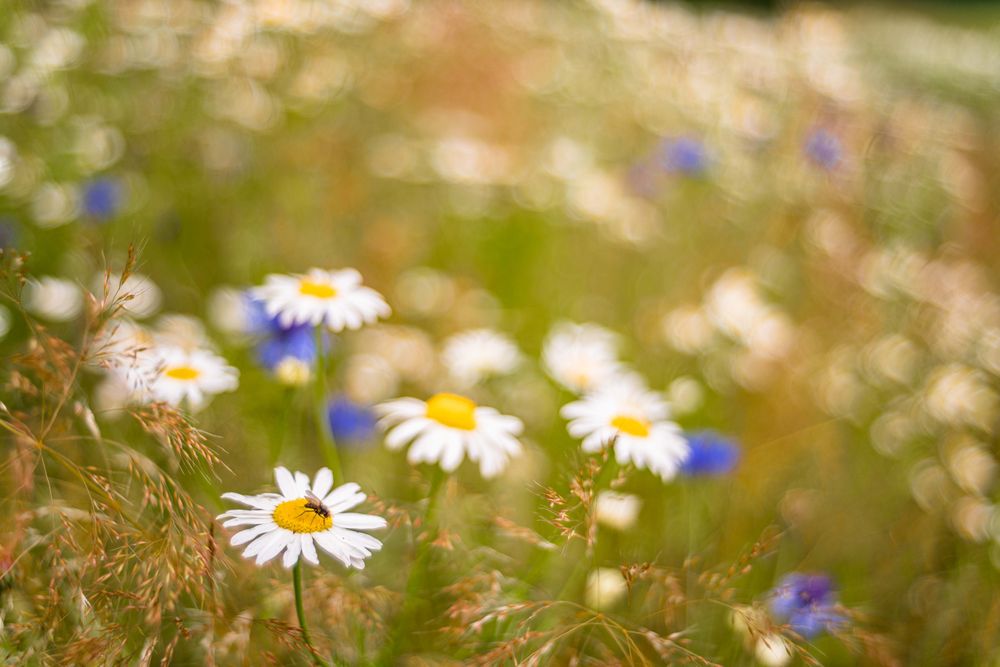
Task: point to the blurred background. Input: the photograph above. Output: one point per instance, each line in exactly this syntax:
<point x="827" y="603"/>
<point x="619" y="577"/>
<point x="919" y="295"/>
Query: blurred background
<point x="789" y="212"/>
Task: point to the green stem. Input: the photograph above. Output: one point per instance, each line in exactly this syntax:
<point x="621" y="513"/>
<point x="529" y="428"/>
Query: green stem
<point x="301" y="612"/>
<point x="322" y="422"/>
<point x="418" y="572"/>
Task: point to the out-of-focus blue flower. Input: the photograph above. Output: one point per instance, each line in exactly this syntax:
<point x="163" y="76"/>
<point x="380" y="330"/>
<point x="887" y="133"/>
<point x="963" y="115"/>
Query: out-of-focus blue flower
<point x="711" y="454"/>
<point x="807" y="603"/>
<point x="823" y="147"/>
<point x="101" y="198"/>
<point x="685" y="155"/>
<point x="350" y="422"/>
<point x="277" y="342"/>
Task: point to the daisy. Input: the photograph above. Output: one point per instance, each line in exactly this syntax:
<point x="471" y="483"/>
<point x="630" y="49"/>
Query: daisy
<point x="334" y="298"/>
<point x="633" y="420"/>
<point x="474" y="355"/>
<point x="53" y="299"/>
<point x="447" y="427"/>
<point x="581" y="356"/>
<point x="189" y="376"/>
<point x="302" y="516"/>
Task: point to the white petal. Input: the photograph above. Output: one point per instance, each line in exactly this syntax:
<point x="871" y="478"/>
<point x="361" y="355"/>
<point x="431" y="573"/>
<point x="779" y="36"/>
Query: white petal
<point x="260" y="502"/>
<point x="286" y="483"/>
<point x="291" y="556"/>
<point x="359" y="521"/>
<point x="279" y="541"/>
<point x="308" y="548"/>
<point x="322" y="483"/>
<point x="249" y="534"/>
<point x="332" y="546"/>
<point x="341" y="493"/>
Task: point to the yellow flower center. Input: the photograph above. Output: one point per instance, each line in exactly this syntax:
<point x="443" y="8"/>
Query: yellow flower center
<point x="319" y="290"/>
<point x="631" y="425"/>
<point x="293" y="515"/>
<point x="452" y="410"/>
<point x="182" y="373"/>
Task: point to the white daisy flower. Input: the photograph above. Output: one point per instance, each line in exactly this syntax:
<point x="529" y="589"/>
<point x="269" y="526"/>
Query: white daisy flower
<point x="474" y="355"/>
<point x="632" y="419"/>
<point x="581" y="356"/>
<point x="447" y="427"/>
<point x="145" y="298"/>
<point x="334" y="298"/>
<point x="302" y="516"/>
<point x="190" y="376"/>
<point x="53" y="299"/>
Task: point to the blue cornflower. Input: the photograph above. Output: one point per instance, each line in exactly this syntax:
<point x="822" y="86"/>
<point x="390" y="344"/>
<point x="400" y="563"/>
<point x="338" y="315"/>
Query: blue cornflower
<point x="711" y="454"/>
<point x="807" y="603"/>
<point x="350" y="422"/>
<point x="277" y="342"/>
<point x="101" y="198"/>
<point x="685" y="155"/>
<point x="823" y="147"/>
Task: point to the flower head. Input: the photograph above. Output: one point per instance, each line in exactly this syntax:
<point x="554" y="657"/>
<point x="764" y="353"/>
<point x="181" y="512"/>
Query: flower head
<point x="474" y="355"/>
<point x="632" y="419"/>
<point x="807" y="602"/>
<point x="710" y="454"/>
<point x="336" y="299"/>
<point x="101" y="198"/>
<point x="278" y="343"/>
<point x="302" y="516"/>
<point x="823" y="148"/>
<point x="350" y="422"/>
<point x="188" y="376"/>
<point x="685" y="155"/>
<point x="446" y="428"/>
<point x="581" y="356"/>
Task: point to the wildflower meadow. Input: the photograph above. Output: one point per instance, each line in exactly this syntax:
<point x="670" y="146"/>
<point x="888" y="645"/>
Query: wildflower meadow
<point x="457" y="332"/>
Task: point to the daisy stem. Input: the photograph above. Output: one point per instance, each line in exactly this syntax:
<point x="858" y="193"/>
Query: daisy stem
<point x="418" y="571"/>
<point x="322" y="422"/>
<point x="301" y="612"/>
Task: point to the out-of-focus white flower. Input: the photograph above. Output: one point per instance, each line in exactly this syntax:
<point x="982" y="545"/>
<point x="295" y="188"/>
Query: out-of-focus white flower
<point x="961" y="395"/>
<point x="336" y="299"/>
<point x="181" y="331"/>
<point x="447" y="428"/>
<point x="293" y="372"/>
<point x="772" y="651"/>
<point x="190" y="376"/>
<point x="53" y="299"/>
<point x="146" y="297"/>
<point x="971" y="518"/>
<point x="617" y="510"/>
<point x="472" y="356"/>
<point x="685" y="395"/>
<point x="5" y="321"/>
<point x="605" y="588"/>
<point x="227" y="310"/>
<point x="369" y="379"/>
<point x="633" y="420"/>
<point x="581" y="357"/>
<point x="302" y="516"/>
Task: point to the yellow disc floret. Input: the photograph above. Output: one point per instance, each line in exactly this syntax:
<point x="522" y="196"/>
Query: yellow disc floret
<point x="319" y="290"/>
<point x="182" y="373"/>
<point x="293" y="515"/>
<point x="452" y="410"/>
<point x="631" y="425"/>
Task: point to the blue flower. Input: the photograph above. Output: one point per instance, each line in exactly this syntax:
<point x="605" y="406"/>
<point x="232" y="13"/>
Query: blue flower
<point x="807" y="603"/>
<point x="349" y="421"/>
<point x="711" y="454"/>
<point x="102" y="198"/>
<point x="277" y="342"/>
<point x="823" y="147"/>
<point x="685" y="155"/>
